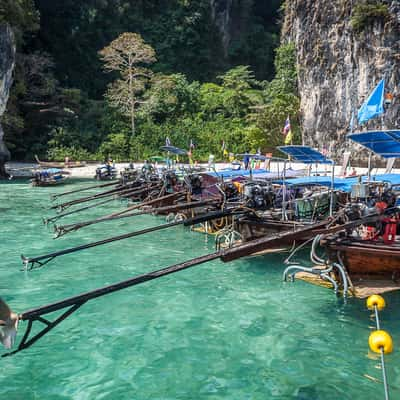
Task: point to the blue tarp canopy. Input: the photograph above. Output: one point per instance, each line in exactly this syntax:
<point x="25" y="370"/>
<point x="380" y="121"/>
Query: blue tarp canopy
<point x="384" y="143"/>
<point x="305" y="154"/>
<point x="343" y="184"/>
<point x="174" y="150"/>
<point x="259" y="157"/>
<point x="51" y="170"/>
<point x="247" y="155"/>
<point x="232" y="173"/>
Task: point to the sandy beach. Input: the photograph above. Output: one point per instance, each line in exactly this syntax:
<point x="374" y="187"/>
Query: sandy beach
<point x="26" y="169"/>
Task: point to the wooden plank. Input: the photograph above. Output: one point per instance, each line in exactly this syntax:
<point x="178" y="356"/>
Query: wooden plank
<point x="362" y="288"/>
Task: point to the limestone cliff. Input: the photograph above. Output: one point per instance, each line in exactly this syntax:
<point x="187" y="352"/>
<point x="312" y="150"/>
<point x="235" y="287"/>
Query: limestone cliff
<point x="230" y="17"/>
<point x="338" y="66"/>
<point x="7" y="59"/>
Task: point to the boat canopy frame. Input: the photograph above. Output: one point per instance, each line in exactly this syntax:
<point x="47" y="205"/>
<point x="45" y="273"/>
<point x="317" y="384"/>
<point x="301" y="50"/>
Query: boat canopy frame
<point x="385" y="143"/>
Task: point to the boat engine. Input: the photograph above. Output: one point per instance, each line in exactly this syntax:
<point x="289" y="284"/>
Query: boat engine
<point x="170" y="181"/>
<point x="231" y="191"/>
<point x="258" y="196"/>
<point x="195" y="182"/>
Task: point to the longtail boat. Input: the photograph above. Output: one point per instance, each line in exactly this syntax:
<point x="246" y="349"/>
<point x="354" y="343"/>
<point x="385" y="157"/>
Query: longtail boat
<point x="49" y="177"/>
<point x="369" y="256"/>
<point x="54" y="164"/>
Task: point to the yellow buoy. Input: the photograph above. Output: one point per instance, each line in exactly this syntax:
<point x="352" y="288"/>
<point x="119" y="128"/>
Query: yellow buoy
<point x="380" y="340"/>
<point x="376" y="300"/>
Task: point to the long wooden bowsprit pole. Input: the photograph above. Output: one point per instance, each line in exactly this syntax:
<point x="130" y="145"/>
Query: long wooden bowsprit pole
<point x="40" y="261"/>
<point x="123" y="192"/>
<point x="124" y="195"/>
<point x="71" y="304"/>
<point x="172" y="208"/>
<point x="56" y="196"/>
<point x="49" y="220"/>
<point x="64" y="229"/>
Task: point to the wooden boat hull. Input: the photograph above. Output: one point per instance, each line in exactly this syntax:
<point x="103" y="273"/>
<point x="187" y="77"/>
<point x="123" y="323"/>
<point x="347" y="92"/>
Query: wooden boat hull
<point x="48" y="183"/>
<point x="278" y="236"/>
<point x="71" y="164"/>
<point x="367" y="259"/>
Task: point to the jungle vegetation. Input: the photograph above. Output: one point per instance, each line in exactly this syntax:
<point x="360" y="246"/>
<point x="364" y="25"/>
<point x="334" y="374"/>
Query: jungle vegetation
<point x="67" y="101"/>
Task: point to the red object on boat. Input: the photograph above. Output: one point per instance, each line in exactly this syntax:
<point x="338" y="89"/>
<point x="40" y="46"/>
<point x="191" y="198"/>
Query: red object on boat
<point x="389" y="235"/>
<point x="381" y="205"/>
<point x="369" y="233"/>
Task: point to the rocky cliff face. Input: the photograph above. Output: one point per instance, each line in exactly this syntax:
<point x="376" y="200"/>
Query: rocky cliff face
<point x="338" y="67"/>
<point x="7" y="58"/>
<point x="231" y="18"/>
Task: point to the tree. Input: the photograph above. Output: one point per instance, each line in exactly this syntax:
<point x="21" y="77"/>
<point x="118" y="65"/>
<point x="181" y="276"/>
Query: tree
<point x="169" y="97"/>
<point x="127" y="55"/>
<point x="282" y="100"/>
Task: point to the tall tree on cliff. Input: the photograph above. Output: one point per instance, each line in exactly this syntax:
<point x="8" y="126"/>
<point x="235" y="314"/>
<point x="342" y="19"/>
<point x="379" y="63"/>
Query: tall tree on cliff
<point x="128" y="55"/>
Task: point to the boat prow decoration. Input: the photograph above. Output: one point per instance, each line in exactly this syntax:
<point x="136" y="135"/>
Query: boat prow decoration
<point x="8" y="325"/>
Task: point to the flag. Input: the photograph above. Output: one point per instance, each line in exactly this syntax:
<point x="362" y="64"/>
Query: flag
<point x="373" y="106"/>
<point x="167" y="141"/>
<point x="286" y="128"/>
<point x="190" y="152"/>
<point x="289" y="138"/>
<point x="224" y="149"/>
<point x="287" y="131"/>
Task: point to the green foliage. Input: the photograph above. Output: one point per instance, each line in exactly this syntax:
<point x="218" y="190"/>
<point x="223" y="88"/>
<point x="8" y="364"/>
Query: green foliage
<point x="115" y="146"/>
<point x="285" y="80"/>
<point x="127" y="56"/>
<point x="207" y="136"/>
<point x="234" y="112"/>
<point x="365" y="14"/>
<point x="281" y="101"/>
<point x="254" y="36"/>
<point x="183" y="34"/>
<point x="233" y="99"/>
<point x="199" y="90"/>
<point x="20" y="14"/>
<point x="169" y="97"/>
<point x="73" y="153"/>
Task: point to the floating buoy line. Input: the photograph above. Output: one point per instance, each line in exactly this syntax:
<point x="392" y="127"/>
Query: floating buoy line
<point x="380" y="341"/>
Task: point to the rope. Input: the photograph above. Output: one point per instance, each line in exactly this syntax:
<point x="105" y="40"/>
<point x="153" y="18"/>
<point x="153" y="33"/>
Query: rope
<point x="385" y="384"/>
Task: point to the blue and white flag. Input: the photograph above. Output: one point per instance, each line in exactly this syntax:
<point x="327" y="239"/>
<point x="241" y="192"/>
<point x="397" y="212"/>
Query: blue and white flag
<point x="373" y="106"/>
<point x="167" y="141"/>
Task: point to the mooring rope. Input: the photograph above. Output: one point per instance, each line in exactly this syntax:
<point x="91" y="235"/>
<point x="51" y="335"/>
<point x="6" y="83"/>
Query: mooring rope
<point x="379" y="340"/>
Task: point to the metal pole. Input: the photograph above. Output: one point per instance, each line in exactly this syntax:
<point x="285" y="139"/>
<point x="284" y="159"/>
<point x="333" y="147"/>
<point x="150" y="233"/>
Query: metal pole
<point x="284" y="191"/>
<point x="369" y="166"/>
<point x="332" y="190"/>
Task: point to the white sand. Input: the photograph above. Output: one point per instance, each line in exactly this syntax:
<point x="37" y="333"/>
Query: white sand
<point x="20" y="169"/>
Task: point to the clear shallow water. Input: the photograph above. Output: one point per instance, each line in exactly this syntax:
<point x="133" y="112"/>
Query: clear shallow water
<point x="215" y="331"/>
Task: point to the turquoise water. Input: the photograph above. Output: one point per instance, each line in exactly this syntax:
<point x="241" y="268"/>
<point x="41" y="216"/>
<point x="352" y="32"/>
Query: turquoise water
<point x="215" y="331"/>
